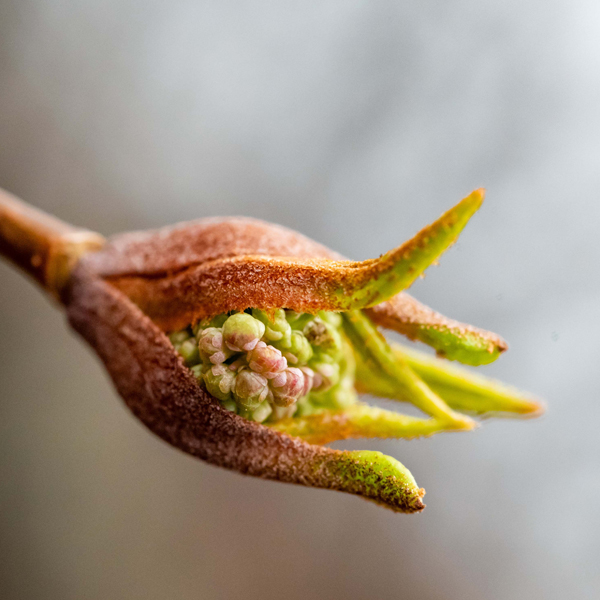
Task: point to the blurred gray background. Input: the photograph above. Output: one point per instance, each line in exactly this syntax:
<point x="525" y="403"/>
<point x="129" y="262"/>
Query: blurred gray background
<point x="355" y="123"/>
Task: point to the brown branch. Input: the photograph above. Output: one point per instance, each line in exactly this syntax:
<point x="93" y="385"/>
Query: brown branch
<point x="41" y="245"/>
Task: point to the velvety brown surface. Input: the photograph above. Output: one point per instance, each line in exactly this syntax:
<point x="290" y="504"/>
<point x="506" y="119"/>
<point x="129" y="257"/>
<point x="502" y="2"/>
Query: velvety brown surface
<point x="176" y="247"/>
<point x="235" y="284"/>
<point x="165" y="271"/>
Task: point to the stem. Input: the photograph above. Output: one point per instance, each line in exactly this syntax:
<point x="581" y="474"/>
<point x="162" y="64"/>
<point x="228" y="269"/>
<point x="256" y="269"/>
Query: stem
<point x="41" y="245"/>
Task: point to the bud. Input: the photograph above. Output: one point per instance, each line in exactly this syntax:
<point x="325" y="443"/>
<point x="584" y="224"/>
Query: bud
<point x="287" y="387"/>
<point x="250" y="388"/>
<point x="198" y="370"/>
<point x="219" y="381"/>
<point x="209" y="322"/>
<point x="300" y="350"/>
<point x="211" y="347"/>
<point x="189" y="352"/>
<point x="178" y="337"/>
<point x="262" y="412"/>
<point x="241" y="332"/>
<point x="277" y="329"/>
<point x="266" y="360"/>
<point x="284" y="412"/>
<point x="324" y="338"/>
<point x="230" y="405"/>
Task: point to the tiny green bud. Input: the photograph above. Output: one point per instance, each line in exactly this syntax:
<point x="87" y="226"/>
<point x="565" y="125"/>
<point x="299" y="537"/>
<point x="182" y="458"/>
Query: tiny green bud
<point x="178" y="337"/>
<point x="189" y="351"/>
<point x="219" y="381"/>
<point x="230" y="405"/>
<point x="300" y="350"/>
<point x="277" y="329"/>
<point x="241" y="332"/>
<point x="198" y="370"/>
<point x="262" y="412"/>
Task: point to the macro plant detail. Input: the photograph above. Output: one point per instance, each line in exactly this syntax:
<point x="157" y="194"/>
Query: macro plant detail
<point x="268" y="368"/>
<point x="248" y="345"/>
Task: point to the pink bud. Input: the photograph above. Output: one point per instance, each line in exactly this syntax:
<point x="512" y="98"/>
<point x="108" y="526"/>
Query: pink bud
<point x="210" y="346"/>
<point x="250" y="388"/>
<point x="288" y="386"/>
<point x="266" y="360"/>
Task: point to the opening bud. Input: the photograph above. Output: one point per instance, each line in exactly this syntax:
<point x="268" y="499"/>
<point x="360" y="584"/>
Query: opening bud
<point x="266" y="360"/>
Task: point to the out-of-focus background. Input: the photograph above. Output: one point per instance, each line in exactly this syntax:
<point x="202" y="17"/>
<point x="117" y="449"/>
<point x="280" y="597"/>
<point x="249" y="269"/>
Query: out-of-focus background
<point x="355" y="123"/>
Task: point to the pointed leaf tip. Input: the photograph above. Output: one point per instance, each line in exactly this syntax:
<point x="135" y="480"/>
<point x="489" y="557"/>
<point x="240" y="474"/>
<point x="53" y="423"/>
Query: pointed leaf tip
<point x="377" y="477"/>
<point x="478" y="196"/>
<point x="377" y="280"/>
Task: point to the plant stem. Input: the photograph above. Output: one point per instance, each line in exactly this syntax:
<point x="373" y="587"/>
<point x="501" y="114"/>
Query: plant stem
<point x="41" y="245"/>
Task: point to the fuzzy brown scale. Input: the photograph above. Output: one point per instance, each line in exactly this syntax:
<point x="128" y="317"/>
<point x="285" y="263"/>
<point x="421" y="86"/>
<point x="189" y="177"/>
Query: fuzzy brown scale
<point x="172" y="262"/>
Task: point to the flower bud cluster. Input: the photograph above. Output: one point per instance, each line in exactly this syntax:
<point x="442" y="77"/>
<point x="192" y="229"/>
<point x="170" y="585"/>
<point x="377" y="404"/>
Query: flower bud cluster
<point x="268" y="364"/>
